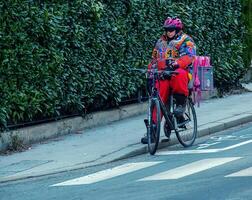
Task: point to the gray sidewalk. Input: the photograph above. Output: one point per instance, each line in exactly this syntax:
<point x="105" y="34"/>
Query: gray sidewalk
<point x="116" y="140"/>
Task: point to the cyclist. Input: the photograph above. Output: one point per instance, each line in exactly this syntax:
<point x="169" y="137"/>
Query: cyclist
<point x="178" y="49"/>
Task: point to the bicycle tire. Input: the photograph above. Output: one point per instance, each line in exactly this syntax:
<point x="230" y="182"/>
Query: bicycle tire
<point x="153" y="131"/>
<point x="188" y="132"/>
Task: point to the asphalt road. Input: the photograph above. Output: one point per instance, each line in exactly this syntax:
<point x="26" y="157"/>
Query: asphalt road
<point x="216" y="167"/>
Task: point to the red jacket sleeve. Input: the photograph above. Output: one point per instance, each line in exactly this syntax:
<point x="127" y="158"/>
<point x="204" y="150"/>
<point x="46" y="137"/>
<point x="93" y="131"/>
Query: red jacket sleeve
<point x="184" y="61"/>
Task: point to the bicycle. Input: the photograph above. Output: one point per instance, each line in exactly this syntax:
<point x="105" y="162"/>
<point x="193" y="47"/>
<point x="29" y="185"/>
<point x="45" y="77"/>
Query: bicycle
<point x="185" y="130"/>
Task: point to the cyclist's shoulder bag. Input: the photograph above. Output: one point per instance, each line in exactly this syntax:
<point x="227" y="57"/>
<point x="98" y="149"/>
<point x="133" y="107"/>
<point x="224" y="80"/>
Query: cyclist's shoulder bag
<point x="202" y="76"/>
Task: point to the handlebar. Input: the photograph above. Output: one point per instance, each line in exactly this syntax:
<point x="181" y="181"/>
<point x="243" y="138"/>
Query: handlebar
<point x="156" y="72"/>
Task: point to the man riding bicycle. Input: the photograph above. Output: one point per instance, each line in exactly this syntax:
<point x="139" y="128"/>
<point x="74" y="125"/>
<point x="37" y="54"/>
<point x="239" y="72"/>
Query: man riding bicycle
<point x="174" y="50"/>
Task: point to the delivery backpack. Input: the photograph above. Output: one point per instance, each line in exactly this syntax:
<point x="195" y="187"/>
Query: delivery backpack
<point x="202" y="77"/>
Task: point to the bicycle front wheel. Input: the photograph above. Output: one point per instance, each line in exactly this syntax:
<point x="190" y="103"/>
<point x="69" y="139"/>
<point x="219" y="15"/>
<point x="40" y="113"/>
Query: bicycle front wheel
<point x="187" y="127"/>
<point x="153" y="131"/>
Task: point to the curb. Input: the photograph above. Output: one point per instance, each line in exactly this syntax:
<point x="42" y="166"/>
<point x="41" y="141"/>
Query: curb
<point x="39" y="133"/>
<point x="139" y="149"/>
<point x="204" y="130"/>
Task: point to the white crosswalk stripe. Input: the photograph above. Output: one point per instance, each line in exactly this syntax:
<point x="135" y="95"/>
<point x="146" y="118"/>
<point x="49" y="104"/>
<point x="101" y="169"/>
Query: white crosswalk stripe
<point x="190" y="169"/>
<point x="176" y="173"/>
<point x="244" y="172"/>
<point x="108" y="173"/>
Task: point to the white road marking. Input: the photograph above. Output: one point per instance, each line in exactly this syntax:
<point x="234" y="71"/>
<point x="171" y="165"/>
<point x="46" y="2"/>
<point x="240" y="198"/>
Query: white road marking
<point x="245" y="172"/>
<point x="236" y="145"/>
<point x="225" y="137"/>
<point x="202" y="150"/>
<point x="107" y="174"/>
<point x="189" y="169"/>
<point x="206" y="145"/>
<point x="194" y="151"/>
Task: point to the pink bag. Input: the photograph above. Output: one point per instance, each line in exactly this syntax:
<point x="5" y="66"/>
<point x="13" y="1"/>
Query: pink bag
<point x="202" y="77"/>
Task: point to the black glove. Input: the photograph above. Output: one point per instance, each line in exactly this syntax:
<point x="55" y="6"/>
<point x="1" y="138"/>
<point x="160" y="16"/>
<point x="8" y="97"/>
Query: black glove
<point x="165" y="76"/>
<point x="175" y="66"/>
<point x="171" y="65"/>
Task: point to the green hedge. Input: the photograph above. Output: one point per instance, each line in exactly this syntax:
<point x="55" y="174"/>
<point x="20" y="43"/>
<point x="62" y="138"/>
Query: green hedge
<point x="63" y="57"/>
<point x="247" y="18"/>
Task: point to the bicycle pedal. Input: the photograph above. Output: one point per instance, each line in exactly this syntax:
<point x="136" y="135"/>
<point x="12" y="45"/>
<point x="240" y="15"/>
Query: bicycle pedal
<point x="183" y="127"/>
<point x="165" y="140"/>
<point x="183" y="124"/>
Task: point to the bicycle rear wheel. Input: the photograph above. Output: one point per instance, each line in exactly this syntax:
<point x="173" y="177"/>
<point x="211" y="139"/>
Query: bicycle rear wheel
<point x="187" y="131"/>
<point x="153" y="131"/>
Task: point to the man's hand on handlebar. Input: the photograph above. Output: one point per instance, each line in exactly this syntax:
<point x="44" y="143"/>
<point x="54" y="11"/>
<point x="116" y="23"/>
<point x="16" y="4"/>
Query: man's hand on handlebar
<point x="171" y="65"/>
<point x="169" y="71"/>
<point x="165" y="76"/>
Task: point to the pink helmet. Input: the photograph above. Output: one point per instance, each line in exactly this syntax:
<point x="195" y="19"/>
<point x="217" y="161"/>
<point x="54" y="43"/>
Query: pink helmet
<point x="174" y="22"/>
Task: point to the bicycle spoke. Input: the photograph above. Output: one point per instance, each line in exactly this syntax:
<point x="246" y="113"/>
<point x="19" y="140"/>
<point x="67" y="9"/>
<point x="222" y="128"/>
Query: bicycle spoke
<point x="188" y="128"/>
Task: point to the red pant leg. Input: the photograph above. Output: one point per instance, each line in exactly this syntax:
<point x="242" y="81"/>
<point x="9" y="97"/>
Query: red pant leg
<point x="163" y="87"/>
<point x="179" y="83"/>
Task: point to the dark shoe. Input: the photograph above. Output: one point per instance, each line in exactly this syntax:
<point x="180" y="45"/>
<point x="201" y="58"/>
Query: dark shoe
<point x="144" y="140"/>
<point x="181" y="104"/>
<point x="179" y="111"/>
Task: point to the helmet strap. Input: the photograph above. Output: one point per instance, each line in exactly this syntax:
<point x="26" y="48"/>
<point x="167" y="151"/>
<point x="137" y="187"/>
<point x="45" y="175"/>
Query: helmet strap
<point x="178" y="33"/>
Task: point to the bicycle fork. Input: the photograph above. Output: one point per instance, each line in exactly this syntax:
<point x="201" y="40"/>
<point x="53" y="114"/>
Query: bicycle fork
<point x="168" y="113"/>
<point x="147" y="121"/>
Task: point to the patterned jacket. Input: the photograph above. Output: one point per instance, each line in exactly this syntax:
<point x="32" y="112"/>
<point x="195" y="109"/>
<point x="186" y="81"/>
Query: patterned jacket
<point x="181" y="49"/>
